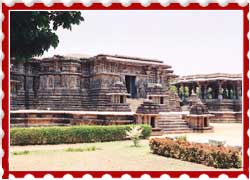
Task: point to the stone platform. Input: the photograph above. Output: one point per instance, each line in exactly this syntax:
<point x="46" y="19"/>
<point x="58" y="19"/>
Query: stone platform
<point x="226" y="117"/>
<point x="32" y="118"/>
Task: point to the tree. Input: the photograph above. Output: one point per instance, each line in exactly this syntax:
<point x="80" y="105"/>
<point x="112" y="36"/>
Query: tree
<point x="33" y="32"/>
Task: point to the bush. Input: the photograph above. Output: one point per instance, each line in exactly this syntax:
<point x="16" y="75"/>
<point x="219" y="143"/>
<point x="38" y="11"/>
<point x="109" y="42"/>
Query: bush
<point x="218" y="157"/>
<point x="135" y="134"/>
<point x="181" y="138"/>
<point x="72" y="134"/>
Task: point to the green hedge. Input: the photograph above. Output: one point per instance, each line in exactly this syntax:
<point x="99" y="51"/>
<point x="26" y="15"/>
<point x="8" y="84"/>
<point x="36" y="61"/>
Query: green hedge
<point x="218" y="157"/>
<point x="72" y="134"/>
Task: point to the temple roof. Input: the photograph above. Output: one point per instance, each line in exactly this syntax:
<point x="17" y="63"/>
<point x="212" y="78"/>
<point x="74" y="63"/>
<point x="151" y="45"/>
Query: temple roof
<point x="71" y="56"/>
<point x="66" y="57"/>
<point x="131" y="59"/>
<point x="127" y="60"/>
<point x="208" y="77"/>
<point x="119" y="58"/>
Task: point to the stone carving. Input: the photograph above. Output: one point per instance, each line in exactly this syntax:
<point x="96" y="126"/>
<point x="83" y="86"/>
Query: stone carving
<point x="50" y="82"/>
<point x="57" y="81"/>
<point x="219" y="91"/>
<point x="68" y="83"/>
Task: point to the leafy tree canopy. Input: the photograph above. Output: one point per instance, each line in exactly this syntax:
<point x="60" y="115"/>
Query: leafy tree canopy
<point x="33" y="32"/>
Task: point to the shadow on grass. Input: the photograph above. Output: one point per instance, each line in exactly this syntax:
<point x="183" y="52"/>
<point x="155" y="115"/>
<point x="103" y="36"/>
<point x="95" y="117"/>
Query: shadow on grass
<point x="25" y="152"/>
<point x="82" y="149"/>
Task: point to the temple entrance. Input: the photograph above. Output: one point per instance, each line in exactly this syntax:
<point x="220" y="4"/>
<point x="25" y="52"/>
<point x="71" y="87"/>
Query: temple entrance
<point x="130" y="85"/>
<point x="152" y="122"/>
<point x="205" y="122"/>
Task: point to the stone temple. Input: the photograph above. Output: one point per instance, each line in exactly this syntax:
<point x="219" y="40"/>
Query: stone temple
<point x="219" y="91"/>
<point x="105" y="89"/>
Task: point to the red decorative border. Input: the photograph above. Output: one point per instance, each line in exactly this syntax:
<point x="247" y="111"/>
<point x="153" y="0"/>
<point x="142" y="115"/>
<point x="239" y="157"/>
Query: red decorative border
<point x="118" y="6"/>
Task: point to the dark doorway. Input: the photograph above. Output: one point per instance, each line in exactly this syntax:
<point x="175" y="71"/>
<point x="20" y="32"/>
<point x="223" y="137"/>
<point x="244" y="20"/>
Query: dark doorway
<point x="121" y="99"/>
<point x="161" y="100"/>
<point x="130" y="85"/>
<point x="205" y="122"/>
<point x="152" y="122"/>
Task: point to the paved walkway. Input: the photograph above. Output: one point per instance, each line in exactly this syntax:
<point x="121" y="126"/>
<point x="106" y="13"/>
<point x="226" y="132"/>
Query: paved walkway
<point x="232" y="133"/>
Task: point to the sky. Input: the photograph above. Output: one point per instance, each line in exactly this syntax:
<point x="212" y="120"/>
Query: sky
<point x="191" y="41"/>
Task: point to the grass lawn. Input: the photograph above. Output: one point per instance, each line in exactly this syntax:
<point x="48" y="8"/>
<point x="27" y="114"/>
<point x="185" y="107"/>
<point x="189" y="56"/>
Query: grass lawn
<point x="118" y="155"/>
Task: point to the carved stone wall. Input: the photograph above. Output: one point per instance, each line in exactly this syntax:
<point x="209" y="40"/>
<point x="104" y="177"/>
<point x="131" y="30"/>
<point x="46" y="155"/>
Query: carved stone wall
<point x="65" y="83"/>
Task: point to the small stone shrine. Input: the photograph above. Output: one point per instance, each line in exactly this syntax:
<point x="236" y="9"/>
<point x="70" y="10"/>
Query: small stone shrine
<point x="198" y="118"/>
<point x="148" y="113"/>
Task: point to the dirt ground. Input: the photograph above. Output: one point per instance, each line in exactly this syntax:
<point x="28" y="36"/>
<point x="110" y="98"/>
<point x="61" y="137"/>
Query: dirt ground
<point x="116" y="156"/>
<point x="112" y="156"/>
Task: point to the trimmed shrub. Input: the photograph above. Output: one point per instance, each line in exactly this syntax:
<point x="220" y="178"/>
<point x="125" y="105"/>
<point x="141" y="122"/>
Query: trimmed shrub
<point x="218" y="157"/>
<point x="72" y="134"/>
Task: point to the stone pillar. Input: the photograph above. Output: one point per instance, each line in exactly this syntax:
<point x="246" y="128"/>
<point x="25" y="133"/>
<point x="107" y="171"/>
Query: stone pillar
<point x="158" y="76"/>
<point x="212" y="87"/>
<point x="148" y="76"/>
<point x="139" y="119"/>
<point x="194" y="88"/>
<point x="202" y="122"/>
<point x="178" y="90"/>
<point x="190" y="88"/>
<point x="161" y="78"/>
<point x="205" y="95"/>
<point x="224" y="92"/>
<point x="235" y="91"/>
<point x="232" y="92"/>
<point x="183" y="90"/>
<point x="238" y="90"/>
<point x="220" y="95"/>
<point x="229" y="93"/>
<point x="200" y="90"/>
<point x="148" y="119"/>
<point x="215" y="91"/>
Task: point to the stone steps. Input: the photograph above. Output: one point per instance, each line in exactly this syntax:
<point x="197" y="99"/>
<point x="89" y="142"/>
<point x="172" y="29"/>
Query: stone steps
<point x="178" y="131"/>
<point x="173" y="123"/>
<point x="169" y="119"/>
<point x="172" y="120"/>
